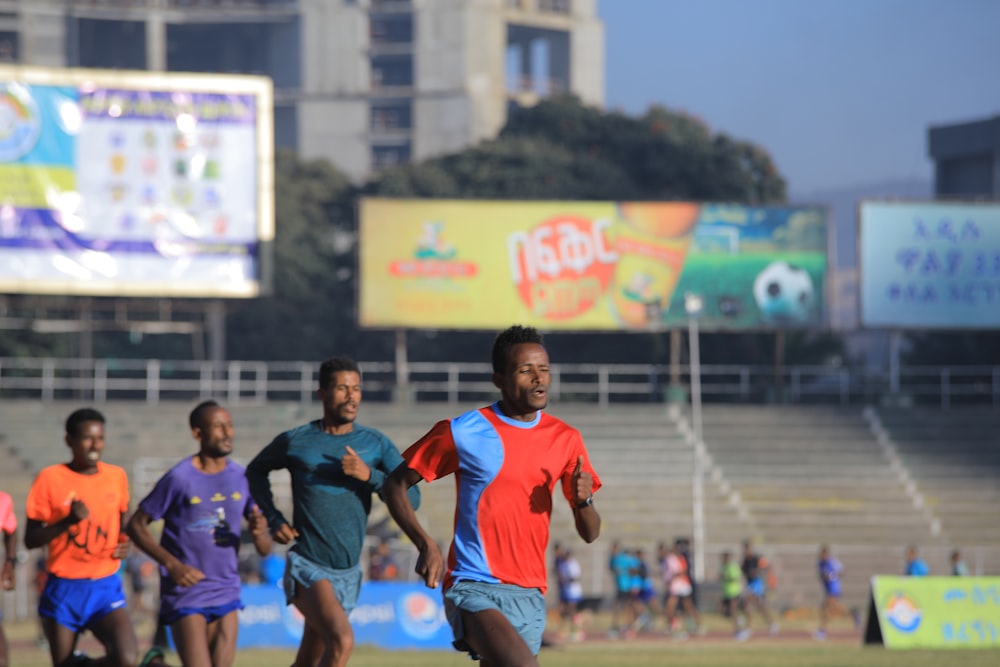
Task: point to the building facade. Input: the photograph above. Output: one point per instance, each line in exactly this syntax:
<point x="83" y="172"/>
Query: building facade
<point x="367" y="84"/>
<point x="966" y="159"/>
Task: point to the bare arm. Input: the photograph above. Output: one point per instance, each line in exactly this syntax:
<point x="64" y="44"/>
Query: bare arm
<point x="38" y="534"/>
<point x="430" y="564"/>
<point x="138" y="530"/>
<point x="261" y="536"/>
<point x="588" y="521"/>
<point x="10" y="558"/>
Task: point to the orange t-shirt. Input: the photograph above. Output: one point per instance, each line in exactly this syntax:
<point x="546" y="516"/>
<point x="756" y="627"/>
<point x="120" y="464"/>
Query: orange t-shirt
<point x="85" y="551"/>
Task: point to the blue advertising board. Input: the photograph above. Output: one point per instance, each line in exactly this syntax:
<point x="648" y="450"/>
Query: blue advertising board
<point x="390" y="615"/>
<point x="930" y="265"/>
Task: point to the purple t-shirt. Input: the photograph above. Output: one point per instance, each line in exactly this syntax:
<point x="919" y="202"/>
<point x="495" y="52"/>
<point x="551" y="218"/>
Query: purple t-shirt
<point x="201" y="526"/>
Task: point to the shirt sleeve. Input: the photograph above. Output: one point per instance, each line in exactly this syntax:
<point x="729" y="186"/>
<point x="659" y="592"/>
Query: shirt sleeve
<point x="272" y="457"/>
<point x="434" y="455"/>
<point x="123" y="490"/>
<point x="38" y="506"/>
<point x="158" y="501"/>
<point x="389" y="458"/>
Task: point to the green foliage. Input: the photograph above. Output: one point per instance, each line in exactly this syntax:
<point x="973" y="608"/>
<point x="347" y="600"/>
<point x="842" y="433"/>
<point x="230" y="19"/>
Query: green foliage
<point x="562" y="149"/>
<point x="516" y="168"/>
<point x="558" y="149"/>
<point x="311" y="313"/>
<point x="666" y="155"/>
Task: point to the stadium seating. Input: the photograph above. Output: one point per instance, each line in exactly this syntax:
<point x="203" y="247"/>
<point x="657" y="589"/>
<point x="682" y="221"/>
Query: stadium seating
<point x="788" y="477"/>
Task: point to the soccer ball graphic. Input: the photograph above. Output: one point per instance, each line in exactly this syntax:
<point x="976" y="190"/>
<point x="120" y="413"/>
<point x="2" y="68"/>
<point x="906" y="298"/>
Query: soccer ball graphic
<point x="784" y="294"/>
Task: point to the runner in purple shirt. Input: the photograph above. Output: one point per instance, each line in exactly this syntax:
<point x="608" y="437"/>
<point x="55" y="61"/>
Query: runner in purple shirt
<point x="201" y="500"/>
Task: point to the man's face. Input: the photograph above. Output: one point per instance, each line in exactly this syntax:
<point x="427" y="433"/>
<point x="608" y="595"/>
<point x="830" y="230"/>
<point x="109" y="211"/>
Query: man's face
<point x="341" y="398"/>
<point x="87" y="444"/>
<point x="524" y="384"/>
<point x="215" y="434"/>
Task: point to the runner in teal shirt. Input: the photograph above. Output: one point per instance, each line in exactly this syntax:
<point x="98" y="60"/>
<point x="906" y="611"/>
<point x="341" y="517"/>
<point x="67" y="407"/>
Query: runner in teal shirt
<point x="335" y="465"/>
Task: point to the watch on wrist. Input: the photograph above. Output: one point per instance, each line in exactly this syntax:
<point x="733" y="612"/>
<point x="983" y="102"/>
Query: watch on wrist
<point x="585" y="503"/>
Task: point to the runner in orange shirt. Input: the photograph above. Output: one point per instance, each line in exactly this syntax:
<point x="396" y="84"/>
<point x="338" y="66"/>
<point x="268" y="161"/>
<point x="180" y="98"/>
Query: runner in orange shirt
<point x="77" y="510"/>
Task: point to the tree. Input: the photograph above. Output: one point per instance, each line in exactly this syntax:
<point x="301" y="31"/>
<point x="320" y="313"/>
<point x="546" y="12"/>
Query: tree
<point x="558" y="149"/>
<point x="562" y="149"/>
<point x="311" y="313"/>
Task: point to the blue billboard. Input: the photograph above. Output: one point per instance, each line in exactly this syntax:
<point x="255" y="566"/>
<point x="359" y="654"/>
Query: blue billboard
<point x="933" y="265"/>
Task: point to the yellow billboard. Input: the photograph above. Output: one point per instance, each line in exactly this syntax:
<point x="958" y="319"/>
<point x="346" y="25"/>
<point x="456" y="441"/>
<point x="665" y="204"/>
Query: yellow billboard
<point x="934" y="612"/>
<point x="586" y="265"/>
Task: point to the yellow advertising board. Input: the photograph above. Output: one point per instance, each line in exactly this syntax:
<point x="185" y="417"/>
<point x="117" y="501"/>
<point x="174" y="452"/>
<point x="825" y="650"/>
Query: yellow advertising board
<point x="586" y="265"/>
<point x="934" y="612"/>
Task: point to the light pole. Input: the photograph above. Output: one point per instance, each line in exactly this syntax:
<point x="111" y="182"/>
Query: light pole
<point x="693" y="305"/>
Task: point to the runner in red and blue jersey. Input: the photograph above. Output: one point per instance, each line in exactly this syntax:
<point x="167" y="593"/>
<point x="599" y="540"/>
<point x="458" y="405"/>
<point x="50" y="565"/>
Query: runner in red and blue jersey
<point x="507" y="459"/>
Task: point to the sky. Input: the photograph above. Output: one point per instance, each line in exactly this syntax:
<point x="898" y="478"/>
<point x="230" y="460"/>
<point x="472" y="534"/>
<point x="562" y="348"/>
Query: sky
<point x="841" y="93"/>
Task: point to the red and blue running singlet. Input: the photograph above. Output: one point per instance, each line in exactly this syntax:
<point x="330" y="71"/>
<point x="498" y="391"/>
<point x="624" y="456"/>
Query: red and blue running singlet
<point x="505" y="473"/>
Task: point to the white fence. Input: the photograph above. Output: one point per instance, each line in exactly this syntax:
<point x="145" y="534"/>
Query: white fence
<point x="155" y="380"/>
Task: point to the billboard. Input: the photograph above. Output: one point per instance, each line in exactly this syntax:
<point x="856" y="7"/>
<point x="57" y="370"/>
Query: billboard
<point x="929" y="265"/>
<point x="389" y="614"/>
<point x="934" y="612"/>
<point x="595" y="266"/>
<point x="134" y="183"/>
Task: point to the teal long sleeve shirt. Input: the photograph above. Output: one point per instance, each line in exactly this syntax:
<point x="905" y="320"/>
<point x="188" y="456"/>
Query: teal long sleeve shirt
<point x="329" y="508"/>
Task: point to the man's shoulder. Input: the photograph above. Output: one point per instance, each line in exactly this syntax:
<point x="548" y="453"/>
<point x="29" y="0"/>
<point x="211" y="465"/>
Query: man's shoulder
<point x="298" y="431"/>
<point x="235" y="467"/>
<point x="370" y="432"/>
<point x="110" y="470"/>
<point x="552" y="421"/>
<point x="303" y="434"/>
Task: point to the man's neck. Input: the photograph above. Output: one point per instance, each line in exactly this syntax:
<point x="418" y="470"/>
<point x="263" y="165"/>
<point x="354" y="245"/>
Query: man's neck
<point x="334" y="427"/>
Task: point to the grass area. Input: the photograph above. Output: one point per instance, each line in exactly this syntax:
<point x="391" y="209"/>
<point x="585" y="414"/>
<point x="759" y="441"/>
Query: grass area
<point x="639" y="654"/>
<point x="792" y="649"/>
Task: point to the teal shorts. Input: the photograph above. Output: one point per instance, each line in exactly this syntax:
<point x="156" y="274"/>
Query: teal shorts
<point x="300" y="571"/>
<point x="523" y="607"/>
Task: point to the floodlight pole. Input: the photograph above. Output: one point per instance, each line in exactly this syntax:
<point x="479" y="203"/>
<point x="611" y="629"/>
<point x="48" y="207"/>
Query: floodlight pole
<point x="693" y="306"/>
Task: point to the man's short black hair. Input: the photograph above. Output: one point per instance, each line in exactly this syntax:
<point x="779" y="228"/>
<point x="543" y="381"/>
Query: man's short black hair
<point x="78" y="417"/>
<point x="507" y="339"/>
<point x="197" y="417"/>
<point x="334" y="365"/>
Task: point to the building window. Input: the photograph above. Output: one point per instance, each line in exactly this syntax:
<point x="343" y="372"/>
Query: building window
<point x="392" y="29"/>
<point x="385" y="157"/>
<point x="388" y="71"/>
<point x="8" y="47"/>
<point x="391" y="115"/>
<point x="108" y="44"/>
<point x="556" y="6"/>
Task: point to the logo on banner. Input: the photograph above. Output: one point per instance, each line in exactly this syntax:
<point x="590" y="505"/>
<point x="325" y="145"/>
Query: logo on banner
<point x="433" y="257"/>
<point x="903" y="613"/>
<point x="20" y="123"/>
<point x="420" y="615"/>
<point x="563" y="266"/>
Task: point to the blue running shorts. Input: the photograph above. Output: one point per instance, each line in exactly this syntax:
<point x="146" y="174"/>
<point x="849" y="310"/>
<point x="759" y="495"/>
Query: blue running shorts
<point x="77" y="603"/>
<point x="303" y="572"/>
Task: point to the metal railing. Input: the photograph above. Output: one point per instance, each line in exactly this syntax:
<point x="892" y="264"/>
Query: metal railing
<point x="156" y="380"/>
